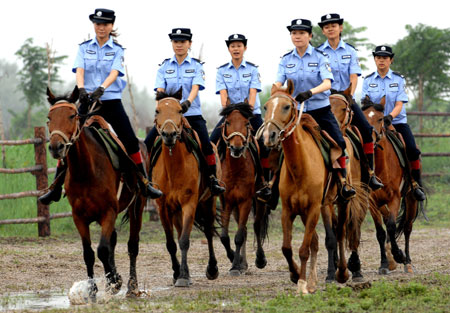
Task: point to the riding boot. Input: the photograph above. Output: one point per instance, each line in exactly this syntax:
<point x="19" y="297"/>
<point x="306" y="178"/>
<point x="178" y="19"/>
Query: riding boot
<point x="374" y="183"/>
<point x="215" y="187"/>
<point x="55" y="189"/>
<point x="264" y="194"/>
<point x="146" y="184"/>
<point x="346" y="191"/>
<point x="418" y="193"/>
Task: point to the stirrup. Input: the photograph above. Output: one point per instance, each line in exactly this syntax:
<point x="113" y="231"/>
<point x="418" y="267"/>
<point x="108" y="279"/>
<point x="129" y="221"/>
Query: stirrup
<point x="53" y="195"/>
<point x="265" y="193"/>
<point x="418" y="193"/>
<point x="149" y="190"/>
<point x="374" y="183"/>
<point x="215" y="187"/>
<point x="346" y="191"/>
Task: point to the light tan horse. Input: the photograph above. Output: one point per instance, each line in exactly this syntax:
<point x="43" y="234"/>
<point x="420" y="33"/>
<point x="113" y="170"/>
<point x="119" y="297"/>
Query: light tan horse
<point x="303" y="181"/>
<point x="186" y="198"/>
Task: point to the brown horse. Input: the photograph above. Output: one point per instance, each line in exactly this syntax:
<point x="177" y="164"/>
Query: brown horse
<point x="239" y="175"/>
<point x="395" y="194"/>
<point x="186" y="196"/>
<point x="340" y="106"/>
<point x="92" y="185"/>
<point x="304" y="178"/>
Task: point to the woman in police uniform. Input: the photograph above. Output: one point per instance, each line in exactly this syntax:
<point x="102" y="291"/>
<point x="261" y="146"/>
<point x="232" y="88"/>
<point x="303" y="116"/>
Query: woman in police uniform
<point x="345" y="68"/>
<point x="98" y="66"/>
<point x="237" y="81"/>
<point x="182" y="70"/>
<point x="310" y="71"/>
<point x="385" y="82"/>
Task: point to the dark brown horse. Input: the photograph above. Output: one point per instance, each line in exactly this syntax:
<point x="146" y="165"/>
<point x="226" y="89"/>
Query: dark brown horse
<point x="186" y="196"/>
<point x="388" y="200"/>
<point x="92" y="187"/>
<point x="239" y="175"/>
<point x="340" y="106"/>
<point x="303" y="188"/>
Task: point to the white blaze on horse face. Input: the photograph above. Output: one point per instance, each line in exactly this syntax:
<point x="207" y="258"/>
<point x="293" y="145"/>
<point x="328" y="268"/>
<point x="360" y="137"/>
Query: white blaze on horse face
<point x="275" y="104"/>
<point x="371" y="114"/>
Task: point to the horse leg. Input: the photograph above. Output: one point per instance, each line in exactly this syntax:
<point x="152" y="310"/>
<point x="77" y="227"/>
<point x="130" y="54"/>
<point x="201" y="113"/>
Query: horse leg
<point x="108" y="240"/>
<point x="240" y="238"/>
<point x="342" y="272"/>
<point x="88" y="255"/>
<point x="224" y="237"/>
<point x="398" y="254"/>
<point x="381" y="238"/>
<point x="330" y="242"/>
<point x="188" y="212"/>
<point x="133" y="247"/>
<point x="260" y="229"/>
<point x="287" y="219"/>
<point x="312" y="278"/>
<point x="212" y="271"/>
<point x="171" y="245"/>
<point x="310" y="230"/>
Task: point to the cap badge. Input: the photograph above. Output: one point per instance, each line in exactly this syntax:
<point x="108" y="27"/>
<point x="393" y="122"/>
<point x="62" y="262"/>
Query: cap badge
<point x="383" y="48"/>
<point x="328" y="16"/>
<point x="236" y="36"/>
<point x="299" y="22"/>
<point x="99" y="13"/>
<point x="178" y="31"/>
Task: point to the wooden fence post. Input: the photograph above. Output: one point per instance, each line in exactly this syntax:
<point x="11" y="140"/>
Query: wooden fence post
<point x="40" y="156"/>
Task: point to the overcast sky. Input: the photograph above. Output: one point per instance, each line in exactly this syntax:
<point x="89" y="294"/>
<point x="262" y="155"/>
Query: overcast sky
<point x="144" y="27"/>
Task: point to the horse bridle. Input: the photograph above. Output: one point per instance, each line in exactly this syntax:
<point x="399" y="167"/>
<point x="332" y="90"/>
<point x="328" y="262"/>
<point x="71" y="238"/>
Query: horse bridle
<point x="68" y="142"/>
<point x="289" y="128"/>
<point x="347" y="108"/>
<point x="227" y="139"/>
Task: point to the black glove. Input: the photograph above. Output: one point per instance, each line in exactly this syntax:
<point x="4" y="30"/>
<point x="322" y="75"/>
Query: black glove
<point x="185" y="106"/>
<point x="387" y="120"/>
<point x="95" y="96"/>
<point x="84" y="96"/>
<point x="303" y="96"/>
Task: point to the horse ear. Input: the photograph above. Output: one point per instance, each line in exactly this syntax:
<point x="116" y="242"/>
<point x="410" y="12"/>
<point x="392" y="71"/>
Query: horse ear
<point x="75" y="95"/>
<point x="383" y="101"/>
<point x="51" y="97"/>
<point x="179" y="94"/>
<point x="290" y="86"/>
<point x="274" y="89"/>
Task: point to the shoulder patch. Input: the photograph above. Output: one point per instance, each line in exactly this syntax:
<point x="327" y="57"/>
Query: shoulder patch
<point x="86" y="41"/>
<point x="163" y="61"/>
<point x="117" y="43"/>
<point x="198" y="61"/>
<point x="223" y="65"/>
<point x="351" y="46"/>
<point x="370" y="74"/>
<point x="320" y="51"/>
<point x="398" y="74"/>
<point x="287" y="53"/>
<point x="251" y="63"/>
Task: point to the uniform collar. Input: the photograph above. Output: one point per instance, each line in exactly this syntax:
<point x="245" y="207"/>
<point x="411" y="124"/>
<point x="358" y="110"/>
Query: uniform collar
<point x="243" y="64"/>
<point x="341" y="44"/>
<point x="309" y="51"/>
<point x="388" y="75"/>
<point x="108" y="43"/>
<point x="187" y="59"/>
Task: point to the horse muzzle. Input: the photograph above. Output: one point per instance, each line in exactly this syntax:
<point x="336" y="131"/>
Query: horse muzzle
<point x="271" y="138"/>
<point x="169" y="138"/>
<point x="237" y="152"/>
<point x="57" y="149"/>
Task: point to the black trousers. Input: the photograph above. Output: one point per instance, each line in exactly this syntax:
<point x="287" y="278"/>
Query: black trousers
<point x="411" y="149"/>
<point x="326" y="120"/>
<point x="198" y="124"/>
<point x="256" y="122"/>
<point x="360" y="121"/>
<point x="114" y="113"/>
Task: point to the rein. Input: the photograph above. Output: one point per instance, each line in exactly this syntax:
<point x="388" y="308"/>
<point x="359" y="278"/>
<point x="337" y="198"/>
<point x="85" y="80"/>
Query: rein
<point x="228" y="138"/>
<point x="289" y="128"/>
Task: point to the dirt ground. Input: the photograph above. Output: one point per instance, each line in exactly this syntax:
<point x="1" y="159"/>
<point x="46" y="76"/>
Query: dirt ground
<point x="55" y="264"/>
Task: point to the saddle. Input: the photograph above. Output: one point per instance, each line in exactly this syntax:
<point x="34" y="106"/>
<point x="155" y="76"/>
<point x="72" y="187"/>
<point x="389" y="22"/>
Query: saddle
<point x="396" y="139"/>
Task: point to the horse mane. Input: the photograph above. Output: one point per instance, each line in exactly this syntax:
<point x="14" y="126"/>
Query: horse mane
<point x="162" y="94"/>
<point x="244" y="108"/>
<point x="367" y="103"/>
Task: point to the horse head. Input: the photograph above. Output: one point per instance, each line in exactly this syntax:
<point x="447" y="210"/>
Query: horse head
<point x="340" y="102"/>
<point x="236" y="130"/>
<point x="374" y="113"/>
<point x="63" y="122"/>
<point x="281" y="115"/>
<point x="169" y="117"/>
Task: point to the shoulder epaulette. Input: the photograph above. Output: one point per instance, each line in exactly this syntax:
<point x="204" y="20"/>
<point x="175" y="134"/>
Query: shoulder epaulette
<point x="85" y="42"/>
<point x="398" y="74"/>
<point x="287" y="53"/>
<point x="164" y="61"/>
<point x="320" y="51"/>
<point x="223" y="65"/>
<point x="370" y="74"/>
<point x="251" y="63"/>
<point x="117" y="44"/>
<point x="351" y="46"/>
<point x="198" y="61"/>
<point x="320" y="46"/>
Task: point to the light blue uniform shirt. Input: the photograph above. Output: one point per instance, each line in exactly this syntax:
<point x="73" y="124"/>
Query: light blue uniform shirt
<point x="306" y="72"/>
<point x="98" y="62"/>
<point x="171" y="76"/>
<point x="343" y="62"/>
<point x="392" y="86"/>
<point x="237" y="82"/>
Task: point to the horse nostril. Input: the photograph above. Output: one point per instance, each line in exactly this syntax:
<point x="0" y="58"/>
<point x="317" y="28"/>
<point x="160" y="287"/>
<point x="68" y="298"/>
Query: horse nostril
<point x="60" y="146"/>
<point x="273" y="135"/>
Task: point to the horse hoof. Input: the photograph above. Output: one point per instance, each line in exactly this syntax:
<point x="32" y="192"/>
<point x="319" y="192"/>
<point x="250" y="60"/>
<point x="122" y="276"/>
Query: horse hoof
<point x="182" y="282"/>
<point x="213" y="273"/>
<point x="409" y="269"/>
<point x="383" y="271"/>
<point x="294" y="278"/>
<point x="400" y="257"/>
<point x="261" y="262"/>
<point x="133" y="290"/>
<point x="234" y="272"/>
<point x="342" y="276"/>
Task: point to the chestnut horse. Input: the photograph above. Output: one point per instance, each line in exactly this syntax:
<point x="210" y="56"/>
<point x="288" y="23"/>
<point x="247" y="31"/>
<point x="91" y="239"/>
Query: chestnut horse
<point x="186" y="196"/>
<point x="92" y="185"/>
<point x="239" y="175"/>
<point x="395" y="193"/>
<point x="340" y="106"/>
<point x="304" y="180"/>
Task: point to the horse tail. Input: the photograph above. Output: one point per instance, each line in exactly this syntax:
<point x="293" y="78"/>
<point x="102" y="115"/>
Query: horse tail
<point x="358" y="206"/>
<point x="405" y="207"/>
<point x="261" y="226"/>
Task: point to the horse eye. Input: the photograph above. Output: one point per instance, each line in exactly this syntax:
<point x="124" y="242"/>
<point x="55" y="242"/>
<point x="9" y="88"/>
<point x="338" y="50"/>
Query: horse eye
<point x="156" y="112"/>
<point x="72" y="116"/>
<point x="286" y="107"/>
<point x="265" y="108"/>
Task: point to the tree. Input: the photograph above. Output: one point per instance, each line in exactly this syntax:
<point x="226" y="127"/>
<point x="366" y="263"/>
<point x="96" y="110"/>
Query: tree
<point x="349" y="35"/>
<point x="423" y="58"/>
<point x="33" y="78"/>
